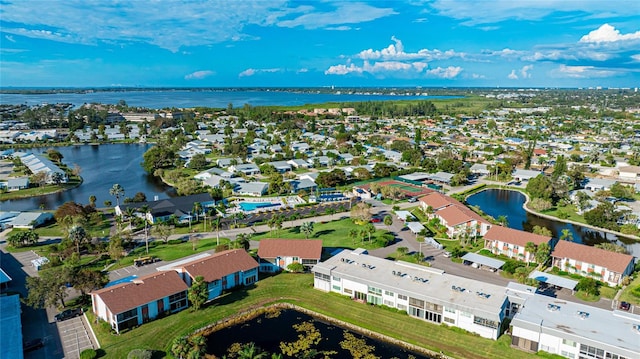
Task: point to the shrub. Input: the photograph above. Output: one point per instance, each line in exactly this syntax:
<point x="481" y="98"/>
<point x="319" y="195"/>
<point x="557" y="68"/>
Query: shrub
<point x="511" y="265"/>
<point x="88" y="354"/>
<point x="140" y="354"/>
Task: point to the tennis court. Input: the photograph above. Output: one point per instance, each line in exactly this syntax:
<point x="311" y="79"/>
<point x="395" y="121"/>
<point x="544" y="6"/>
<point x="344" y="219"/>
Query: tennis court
<point x="408" y="189"/>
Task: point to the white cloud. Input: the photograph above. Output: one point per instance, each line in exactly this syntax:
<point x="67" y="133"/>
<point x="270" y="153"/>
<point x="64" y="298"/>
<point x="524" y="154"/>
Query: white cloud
<point x="396" y="52"/>
<point x="477" y="76"/>
<point x="379" y="67"/>
<point x="582" y="72"/>
<point x="499" y="10"/>
<point x="198" y="75"/>
<point x="608" y="33"/>
<point x="343" y="70"/>
<point x="513" y="75"/>
<point x="344" y="13"/>
<point x="445" y="72"/>
<point x="339" y="28"/>
<point x="251" y="72"/>
<point x="524" y="71"/>
<point x="9" y="38"/>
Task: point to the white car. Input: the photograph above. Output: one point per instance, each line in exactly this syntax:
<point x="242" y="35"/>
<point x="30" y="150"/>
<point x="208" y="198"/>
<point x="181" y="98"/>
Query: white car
<point x="446" y="254"/>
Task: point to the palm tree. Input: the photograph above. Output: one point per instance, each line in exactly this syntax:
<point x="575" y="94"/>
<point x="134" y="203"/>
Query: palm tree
<point x="566" y="235"/>
<point x="402" y="251"/>
<point x="502" y="219"/>
<point x="198" y="347"/>
<point x="370" y="229"/>
<point x="145" y="209"/>
<point x="197" y="208"/>
<point x="78" y="235"/>
<point x="388" y="220"/>
<point x="216" y="224"/>
<point x="306" y="228"/>
<point x="117" y="191"/>
<point x="180" y="347"/>
<point x="530" y="248"/>
<point x="353" y="234"/>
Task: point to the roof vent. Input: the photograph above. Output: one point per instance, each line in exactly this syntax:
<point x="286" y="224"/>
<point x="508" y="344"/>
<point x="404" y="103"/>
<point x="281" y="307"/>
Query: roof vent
<point x="553" y="307"/>
<point x="364" y="265"/>
<point x="583" y="315"/>
<point x="394" y="272"/>
<point x="137" y="281"/>
<point x="483" y="295"/>
<point x="457" y="289"/>
<point x="343" y="259"/>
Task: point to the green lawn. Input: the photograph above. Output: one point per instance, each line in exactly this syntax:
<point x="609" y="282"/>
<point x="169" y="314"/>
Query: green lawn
<point x="39" y="191"/>
<point x="627" y="294"/>
<point x="333" y="234"/>
<point x="298" y="289"/>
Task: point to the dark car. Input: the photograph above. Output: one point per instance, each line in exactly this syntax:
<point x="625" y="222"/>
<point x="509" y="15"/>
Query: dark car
<point x="68" y="314"/>
<point x="625" y="306"/>
<point x="34" y="344"/>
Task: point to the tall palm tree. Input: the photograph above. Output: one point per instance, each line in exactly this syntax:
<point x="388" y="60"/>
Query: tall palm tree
<point x="145" y="209"/>
<point x="117" y="191"/>
<point x="78" y="235"/>
<point x="566" y="235"/>
<point x="197" y="208"/>
<point x="306" y="228"/>
<point x="216" y="224"/>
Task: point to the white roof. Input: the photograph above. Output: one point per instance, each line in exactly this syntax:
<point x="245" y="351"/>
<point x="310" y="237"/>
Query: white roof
<point x="415" y="227"/>
<point x="553" y="279"/>
<point x="403" y="215"/>
<point x="485" y="261"/>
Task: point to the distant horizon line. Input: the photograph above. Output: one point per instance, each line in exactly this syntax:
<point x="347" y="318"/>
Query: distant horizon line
<point x="52" y="88"/>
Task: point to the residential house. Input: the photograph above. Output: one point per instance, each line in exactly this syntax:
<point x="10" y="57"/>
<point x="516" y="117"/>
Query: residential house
<point x="299" y="163"/>
<point x="607" y="266"/>
<point x="248" y="169"/>
<point x="461" y="221"/>
<point x="15" y="184"/>
<point x="182" y="208"/>
<point x="512" y="242"/>
<point x="281" y="166"/>
<point x="276" y="254"/>
<point x="255" y="189"/>
<point x="303" y="184"/>
<point x="629" y="173"/>
<point x="38" y="163"/>
<point x="128" y="305"/>
<point x="575" y="330"/>
<point x="221" y="271"/>
<point x="479" y="169"/>
<point x="598" y="184"/>
<point x="524" y="175"/>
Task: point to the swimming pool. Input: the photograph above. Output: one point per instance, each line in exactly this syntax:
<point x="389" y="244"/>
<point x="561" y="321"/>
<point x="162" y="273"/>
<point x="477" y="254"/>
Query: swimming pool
<point x="122" y="280"/>
<point x="250" y="206"/>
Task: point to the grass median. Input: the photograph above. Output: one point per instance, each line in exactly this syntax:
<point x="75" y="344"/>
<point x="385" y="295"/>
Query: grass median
<point x="298" y="289"/>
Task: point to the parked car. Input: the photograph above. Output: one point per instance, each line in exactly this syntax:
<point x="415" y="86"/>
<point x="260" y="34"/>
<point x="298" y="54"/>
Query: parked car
<point x="68" y="314"/>
<point x="446" y="254"/>
<point x="624" y="306"/>
<point x="33" y="344"/>
<point x="143" y="260"/>
<point x="376" y="220"/>
<point x="413" y="200"/>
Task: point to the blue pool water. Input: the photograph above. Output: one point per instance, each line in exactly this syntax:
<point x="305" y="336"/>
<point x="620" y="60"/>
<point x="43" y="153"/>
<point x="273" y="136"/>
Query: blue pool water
<point x="122" y="280"/>
<point x="250" y="206"/>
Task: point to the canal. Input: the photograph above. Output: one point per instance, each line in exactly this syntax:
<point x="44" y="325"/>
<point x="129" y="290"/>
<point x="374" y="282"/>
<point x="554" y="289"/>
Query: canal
<point x="499" y="202"/>
<point x="101" y="167"/>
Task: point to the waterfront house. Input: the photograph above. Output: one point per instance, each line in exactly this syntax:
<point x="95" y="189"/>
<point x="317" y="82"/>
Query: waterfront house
<point x="221" y="271"/>
<point x="455" y="216"/>
<point x="512" y="242"/>
<point x="128" y="305"/>
<point x="15" y="184"/>
<point x="181" y="208"/>
<point x="575" y="330"/>
<point x="607" y="266"/>
<point x="524" y="175"/>
<point x="276" y="254"/>
<point x="426" y="293"/>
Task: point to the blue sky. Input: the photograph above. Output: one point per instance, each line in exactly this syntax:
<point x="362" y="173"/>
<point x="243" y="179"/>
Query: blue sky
<point x="507" y="43"/>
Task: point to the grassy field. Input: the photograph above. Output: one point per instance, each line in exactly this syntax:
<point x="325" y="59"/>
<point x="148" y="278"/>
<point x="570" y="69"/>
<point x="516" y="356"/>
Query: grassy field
<point x="39" y="191"/>
<point x="334" y="234"/>
<point x="298" y="289"/>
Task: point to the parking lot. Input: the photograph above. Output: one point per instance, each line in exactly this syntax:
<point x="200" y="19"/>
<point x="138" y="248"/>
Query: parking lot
<point x="75" y="336"/>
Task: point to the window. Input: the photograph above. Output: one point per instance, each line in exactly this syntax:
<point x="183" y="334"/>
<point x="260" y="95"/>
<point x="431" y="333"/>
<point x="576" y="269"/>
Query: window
<point x="178" y="300"/>
<point x="347" y="291"/>
<point x="386" y="292"/>
<point x="295" y="259"/>
<point x="449" y="320"/>
<point x="336" y="287"/>
<point x="449" y="310"/>
<point x="376" y="291"/>
<point x="337" y="279"/>
<point x="588" y="352"/>
<point x="465" y="314"/>
<point x="309" y="262"/>
<point x="127" y="315"/>
<point x="416" y="312"/>
<point x="433" y="317"/>
<point x="321" y="276"/>
<point x="568" y="342"/>
<point x="388" y="303"/>
<point x="416" y="302"/>
<point x="485" y="322"/>
<point x="402" y="307"/>
<point x="402" y="297"/>
<point x="566" y="354"/>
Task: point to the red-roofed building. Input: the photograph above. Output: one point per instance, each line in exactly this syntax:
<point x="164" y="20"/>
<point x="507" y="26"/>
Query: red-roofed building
<point x="222" y="271"/>
<point x="128" y="305"/>
<point x="457" y="217"/>
<point x="512" y="242"/>
<point x="276" y="254"/>
<point x="607" y="266"/>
